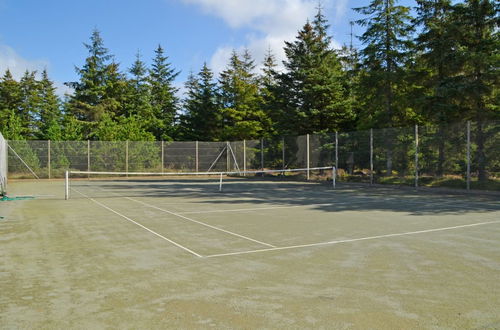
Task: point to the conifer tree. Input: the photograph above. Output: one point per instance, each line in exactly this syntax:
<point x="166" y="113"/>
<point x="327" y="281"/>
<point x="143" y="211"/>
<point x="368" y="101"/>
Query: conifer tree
<point x="49" y="122"/>
<point x="29" y="109"/>
<point x="387" y="41"/>
<point x="163" y="95"/>
<point x="239" y="94"/>
<point x="313" y="87"/>
<point x="268" y="90"/>
<point x="11" y="124"/>
<point x="202" y="118"/>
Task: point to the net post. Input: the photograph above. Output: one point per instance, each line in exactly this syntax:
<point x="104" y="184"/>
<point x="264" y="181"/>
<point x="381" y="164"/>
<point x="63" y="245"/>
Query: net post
<point x="66" y="185"/>
<point x="307" y="155"/>
<point x="371" y="155"/>
<point x="468" y="156"/>
<point x="334" y="177"/>
<point x="48" y="158"/>
<point x="220" y="182"/>
<point x="197" y="155"/>
<point x="244" y="157"/>
<point x="162" y="156"/>
<point x="416" y="156"/>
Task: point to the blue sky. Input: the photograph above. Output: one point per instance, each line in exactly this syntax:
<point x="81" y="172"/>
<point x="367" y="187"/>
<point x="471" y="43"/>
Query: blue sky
<point x="50" y="34"/>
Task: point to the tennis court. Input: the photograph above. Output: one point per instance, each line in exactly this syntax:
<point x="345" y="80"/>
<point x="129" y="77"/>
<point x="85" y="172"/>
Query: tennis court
<point x="178" y="253"/>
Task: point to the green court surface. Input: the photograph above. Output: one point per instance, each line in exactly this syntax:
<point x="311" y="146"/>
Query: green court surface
<point x="143" y="254"/>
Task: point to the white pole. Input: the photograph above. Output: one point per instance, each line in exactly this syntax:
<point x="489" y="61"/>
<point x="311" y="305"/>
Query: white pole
<point x="468" y="155"/>
<point x="371" y="155"/>
<point x="66" y="183"/>
<point x="48" y="157"/>
<point x="334" y="177"/>
<point x="416" y="156"/>
<point x="307" y="155"/>
<point x="220" y="182"/>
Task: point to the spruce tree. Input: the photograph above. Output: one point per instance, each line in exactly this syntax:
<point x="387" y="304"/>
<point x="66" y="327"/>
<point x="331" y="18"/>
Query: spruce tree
<point x="163" y="95"/>
<point x="29" y="109"/>
<point x="268" y="90"/>
<point x="312" y="89"/>
<point x="49" y="122"/>
<point x="202" y="117"/>
<point x="239" y="94"/>
<point x="387" y="41"/>
<point x="11" y="124"/>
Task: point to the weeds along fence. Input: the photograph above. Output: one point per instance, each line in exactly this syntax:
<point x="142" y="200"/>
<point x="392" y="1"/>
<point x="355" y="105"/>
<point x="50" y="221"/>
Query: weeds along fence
<point x="460" y="155"/>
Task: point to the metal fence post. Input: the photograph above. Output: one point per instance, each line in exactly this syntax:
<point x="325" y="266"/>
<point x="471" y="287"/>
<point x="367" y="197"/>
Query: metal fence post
<point x="371" y="155"/>
<point x="126" y="157"/>
<point x="468" y="155"/>
<point x="48" y="157"/>
<point x="88" y="156"/>
<point x="197" y="159"/>
<point x="336" y="151"/>
<point x="283" y="153"/>
<point x="228" y="160"/>
<point x="262" y="154"/>
<point x="244" y="157"/>
<point x="307" y="155"/>
<point x="162" y="156"/>
<point x="416" y="156"/>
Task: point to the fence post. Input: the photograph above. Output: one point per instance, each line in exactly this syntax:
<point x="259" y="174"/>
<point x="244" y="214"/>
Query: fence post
<point x="48" y="157"/>
<point x="88" y="156"/>
<point x="244" y="157"/>
<point x="416" y="156"/>
<point x="283" y="152"/>
<point x="196" y="156"/>
<point x="371" y="155"/>
<point x="262" y="154"/>
<point x="126" y="157"/>
<point x="336" y="151"/>
<point x="228" y="160"/>
<point x="162" y="156"/>
<point x="468" y="155"/>
<point x="307" y="155"/>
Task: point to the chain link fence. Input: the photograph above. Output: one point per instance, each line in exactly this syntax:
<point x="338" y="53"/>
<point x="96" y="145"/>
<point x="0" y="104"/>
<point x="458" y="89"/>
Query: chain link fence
<point x="3" y="165"/>
<point x="460" y="155"/>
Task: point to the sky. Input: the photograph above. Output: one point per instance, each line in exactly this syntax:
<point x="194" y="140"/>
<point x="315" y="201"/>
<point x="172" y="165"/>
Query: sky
<point x="50" y="34"/>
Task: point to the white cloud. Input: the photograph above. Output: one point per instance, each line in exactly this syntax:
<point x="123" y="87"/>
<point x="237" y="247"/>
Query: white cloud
<point x="10" y="60"/>
<point x="271" y="22"/>
<point x="17" y="65"/>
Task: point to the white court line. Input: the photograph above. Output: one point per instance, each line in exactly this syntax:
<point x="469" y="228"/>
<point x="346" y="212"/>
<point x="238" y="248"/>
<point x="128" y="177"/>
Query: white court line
<point x="351" y="240"/>
<point x="138" y="224"/>
<point x="255" y="209"/>
<point x="199" y="222"/>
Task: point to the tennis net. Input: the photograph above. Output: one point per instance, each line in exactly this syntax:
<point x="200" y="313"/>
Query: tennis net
<point x="93" y="184"/>
<point x="3" y="166"/>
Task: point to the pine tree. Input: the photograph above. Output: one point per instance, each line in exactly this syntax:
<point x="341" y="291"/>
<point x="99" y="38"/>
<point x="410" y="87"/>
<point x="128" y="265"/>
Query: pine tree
<point x="268" y="90"/>
<point x="163" y="95"/>
<point x="242" y="116"/>
<point x="202" y="118"/>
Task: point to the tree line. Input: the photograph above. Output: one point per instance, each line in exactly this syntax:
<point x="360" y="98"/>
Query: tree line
<point x="435" y="64"/>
